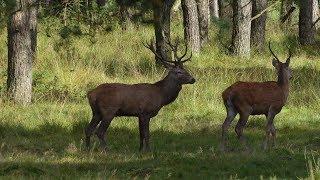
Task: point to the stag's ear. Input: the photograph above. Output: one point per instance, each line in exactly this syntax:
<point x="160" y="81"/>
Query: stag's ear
<point x="275" y="63"/>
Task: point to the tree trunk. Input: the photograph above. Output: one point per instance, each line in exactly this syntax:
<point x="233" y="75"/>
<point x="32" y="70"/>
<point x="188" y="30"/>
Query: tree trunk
<point x="191" y="24"/>
<point x="258" y="26"/>
<point x="22" y="41"/>
<point x="162" y="16"/>
<point x="316" y="13"/>
<point x="214" y="9"/>
<point x="306" y="30"/>
<point x="221" y="9"/>
<point x="203" y="15"/>
<point x="241" y="27"/>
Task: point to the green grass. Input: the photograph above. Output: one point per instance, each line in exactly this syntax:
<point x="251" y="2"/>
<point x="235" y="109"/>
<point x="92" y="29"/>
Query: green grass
<point x="45" y="139"/>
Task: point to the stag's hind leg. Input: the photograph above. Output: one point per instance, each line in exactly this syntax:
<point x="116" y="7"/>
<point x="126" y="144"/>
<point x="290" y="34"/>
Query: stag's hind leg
<point x="244" y="115"/>
<point x="107" y="116"/>
<point x="231" y="114"/>
<point x="96" y="118"/>
<point x="240" y="127"/>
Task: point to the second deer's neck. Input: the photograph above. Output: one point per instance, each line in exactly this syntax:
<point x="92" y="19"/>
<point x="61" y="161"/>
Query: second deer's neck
<point x="169" y="88"/>
<point x="283" y="82"/>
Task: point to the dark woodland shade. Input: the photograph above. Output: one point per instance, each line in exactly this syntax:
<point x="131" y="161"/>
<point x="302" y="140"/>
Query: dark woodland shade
<point x="258" y="26"/>
<point x="162" y="18"/>
<point x="99" y="2"/>
<point x="306" y="28"/>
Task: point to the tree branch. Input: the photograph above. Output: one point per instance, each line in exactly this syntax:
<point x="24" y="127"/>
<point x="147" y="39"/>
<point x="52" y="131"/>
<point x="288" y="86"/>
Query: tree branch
<point x="263" y="11"/>
<point x="285" y="17"/>
<point x="315" y="22"/>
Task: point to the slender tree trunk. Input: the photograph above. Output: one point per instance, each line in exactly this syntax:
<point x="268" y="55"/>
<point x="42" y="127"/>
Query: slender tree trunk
<point x="203" y="15"/>
<point x="221" y="9"/>
<point x="241" y="27"/>
<point x="306" y="30"/>
<point x="258" y="26"/>
<point x="316" y="13"/>
<point x="22" y="40"/>
<point x="191" y="24"/>
<point x="162" y="16"/>
<point x="214" y="9"/>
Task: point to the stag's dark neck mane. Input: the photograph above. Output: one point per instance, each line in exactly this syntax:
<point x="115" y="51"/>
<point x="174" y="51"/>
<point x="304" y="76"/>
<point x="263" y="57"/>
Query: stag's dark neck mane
<point x="169" y="88"/>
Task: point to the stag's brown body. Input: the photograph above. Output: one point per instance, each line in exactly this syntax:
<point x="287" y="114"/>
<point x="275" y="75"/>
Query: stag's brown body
<point x="257" y="98"/>
<point x="139" y="100"/>
<point x="134" y="100"/>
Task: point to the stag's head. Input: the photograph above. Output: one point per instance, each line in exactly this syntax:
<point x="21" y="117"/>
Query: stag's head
<point x="175" y="67"/>
<point x="282" y="68"/>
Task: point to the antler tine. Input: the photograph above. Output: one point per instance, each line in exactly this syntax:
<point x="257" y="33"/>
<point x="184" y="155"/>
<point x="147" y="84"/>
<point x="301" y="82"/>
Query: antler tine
<point x="174" y="48"/>
<point x="152" y="49"/>
<point x="151" y="46"/>
<point x="290" y="54"/>
<point x="185" y="53"/>
<point x="272" y="52"/>
<point x="188" y="59"/>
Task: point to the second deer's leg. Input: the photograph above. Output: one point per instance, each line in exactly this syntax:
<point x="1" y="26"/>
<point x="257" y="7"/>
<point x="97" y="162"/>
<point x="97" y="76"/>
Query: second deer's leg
<point x="144" y="133"/>
<point x="270" y="130"/>
<point x="240" y="127"/>
<point x="231" y="114"/>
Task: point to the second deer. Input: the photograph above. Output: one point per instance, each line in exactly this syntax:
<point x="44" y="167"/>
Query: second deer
<point x="257" y="98"/>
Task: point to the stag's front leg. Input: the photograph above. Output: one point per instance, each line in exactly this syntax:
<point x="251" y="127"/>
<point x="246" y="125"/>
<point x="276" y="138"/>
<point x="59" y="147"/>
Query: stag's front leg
<point x="144" y="134"/>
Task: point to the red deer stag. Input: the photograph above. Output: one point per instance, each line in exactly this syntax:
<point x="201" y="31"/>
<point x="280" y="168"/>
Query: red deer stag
<point x="138" y="100"/>
<point x="257" y="98"/>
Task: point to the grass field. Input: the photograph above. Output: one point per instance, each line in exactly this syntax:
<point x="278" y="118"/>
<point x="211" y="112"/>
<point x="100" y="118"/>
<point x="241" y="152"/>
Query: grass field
<point x="46" y="139"/>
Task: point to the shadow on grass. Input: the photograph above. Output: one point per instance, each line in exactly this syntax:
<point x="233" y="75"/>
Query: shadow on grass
<point x="188" y="154"/>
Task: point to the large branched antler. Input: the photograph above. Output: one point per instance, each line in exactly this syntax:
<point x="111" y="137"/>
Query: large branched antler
<point x="152" y="48"/>
<point x="178" y="60"/>
<point x="174" y="49"/>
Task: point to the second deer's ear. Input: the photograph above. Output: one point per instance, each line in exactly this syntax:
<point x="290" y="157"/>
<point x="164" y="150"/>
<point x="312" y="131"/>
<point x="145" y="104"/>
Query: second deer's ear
<point x="275" y="63"/>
